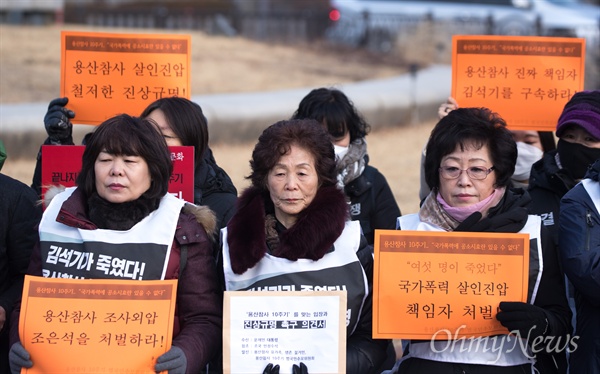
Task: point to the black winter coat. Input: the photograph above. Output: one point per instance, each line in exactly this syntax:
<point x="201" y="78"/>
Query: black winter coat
<point x="18" y="234"/>
<point x="372" y="203"/>
<point x="547" y="185"/>
<point x="580" y="255"/>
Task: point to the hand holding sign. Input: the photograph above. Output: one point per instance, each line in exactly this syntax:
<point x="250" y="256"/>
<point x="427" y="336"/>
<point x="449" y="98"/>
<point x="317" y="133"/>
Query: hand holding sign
<point x="528" y="320"/>
<point x="18" y="358"/>
<point x="57" y="121"/>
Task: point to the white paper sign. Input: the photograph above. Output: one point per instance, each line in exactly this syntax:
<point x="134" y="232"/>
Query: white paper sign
<point x="284" y="328"/>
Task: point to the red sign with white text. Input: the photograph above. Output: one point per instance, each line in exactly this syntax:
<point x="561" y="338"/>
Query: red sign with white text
<point x="61" y="165"/>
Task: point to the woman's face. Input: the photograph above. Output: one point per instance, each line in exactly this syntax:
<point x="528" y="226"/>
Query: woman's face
<point x="464" y="190"/>
<point x="293" y="183"/>
<point x="121" y="178"/>
<point x="158" y="116"/>
<point x="577" y="134"/>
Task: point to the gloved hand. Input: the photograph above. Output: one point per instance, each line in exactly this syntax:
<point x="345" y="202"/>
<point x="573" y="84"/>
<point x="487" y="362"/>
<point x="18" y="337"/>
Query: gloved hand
<point x="511" y="221"/>
<point x="173" y="361"/>
<point x="271" y="369"/>
<point x="18" y="358"/>
<point x="57" y="122"/>
<point x="302" y="369"/>
<point x="528" y="320"/>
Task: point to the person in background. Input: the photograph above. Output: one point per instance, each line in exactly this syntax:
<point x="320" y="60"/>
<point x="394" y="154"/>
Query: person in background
<point x="20" y="214"/>
<point x="531" y="145"/>
<point x="579" y="241"/>
<point x="122" y="198"/>
<point x="371" y="199"/>
<point x="182" y="123"/>
<point x="294" y="216"/>
<point x="578" y="132"/>
<point x="470" y="158"/>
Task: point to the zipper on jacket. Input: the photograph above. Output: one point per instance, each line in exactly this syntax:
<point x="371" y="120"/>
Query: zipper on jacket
<point x="590" y="224"/>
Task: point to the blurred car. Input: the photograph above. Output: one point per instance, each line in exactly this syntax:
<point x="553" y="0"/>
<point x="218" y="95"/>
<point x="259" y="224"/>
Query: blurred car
<point x="375" y="23"/>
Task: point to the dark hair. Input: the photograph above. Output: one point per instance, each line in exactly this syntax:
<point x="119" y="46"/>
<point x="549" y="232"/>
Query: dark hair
<point x="124" y="135"/>
<point x="547" y="140"/>
<point x="333" y="109"/>
<point x="187" y="121"/>
<point x="464" y="125"/>
<point x="277" y="139"/>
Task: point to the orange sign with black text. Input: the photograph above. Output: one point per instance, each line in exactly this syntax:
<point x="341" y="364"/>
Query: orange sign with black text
<point x="526" y="79"/>
<point x="96" y="326"/>
<point x="106" y="74"/>
<point x="445" y="285"/>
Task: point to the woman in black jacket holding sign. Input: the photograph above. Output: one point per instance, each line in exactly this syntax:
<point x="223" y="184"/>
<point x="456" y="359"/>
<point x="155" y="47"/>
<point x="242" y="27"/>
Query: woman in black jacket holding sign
<point x="470" y="158"/>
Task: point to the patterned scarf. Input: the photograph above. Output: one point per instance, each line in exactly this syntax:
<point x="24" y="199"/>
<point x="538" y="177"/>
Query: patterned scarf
<point x="437" y="212"/>
<point x="352" y="165"/>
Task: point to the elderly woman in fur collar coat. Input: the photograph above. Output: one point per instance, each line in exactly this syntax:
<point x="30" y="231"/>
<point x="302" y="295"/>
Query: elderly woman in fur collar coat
<point x="121" y="209"/>
<point x="290" y="220"/>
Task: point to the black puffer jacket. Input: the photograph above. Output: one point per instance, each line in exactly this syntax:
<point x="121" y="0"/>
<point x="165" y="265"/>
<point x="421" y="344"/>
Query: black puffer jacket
<point x="18" y="234"/>
<point x="580" y="255"/>
<point x="372" y="203"/>
<point x="547" y="185"/>
<point x="214" y="188"/>
<point x="551" y="294"/>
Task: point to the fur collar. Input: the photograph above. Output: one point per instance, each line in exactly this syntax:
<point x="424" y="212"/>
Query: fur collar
<point x="204" y="216"/>
<point x="317" y="228"/>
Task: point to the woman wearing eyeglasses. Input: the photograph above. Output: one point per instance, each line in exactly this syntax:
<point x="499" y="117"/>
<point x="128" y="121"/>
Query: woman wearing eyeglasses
<point x="470" y="158"/>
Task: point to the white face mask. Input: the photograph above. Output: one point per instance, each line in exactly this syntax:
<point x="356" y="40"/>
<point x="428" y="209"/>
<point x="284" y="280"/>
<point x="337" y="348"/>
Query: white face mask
<point x="527" y="155"/>
<point x="340" y="152"/>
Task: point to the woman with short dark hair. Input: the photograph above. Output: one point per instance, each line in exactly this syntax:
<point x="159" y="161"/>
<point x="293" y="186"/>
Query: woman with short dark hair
<point x="470" y="157"/>
<point x="121" y="209"/>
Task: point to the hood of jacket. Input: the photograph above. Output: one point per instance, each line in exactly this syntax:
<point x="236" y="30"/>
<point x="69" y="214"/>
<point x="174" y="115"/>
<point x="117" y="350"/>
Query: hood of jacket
<point x="76" y="211"/>
<point x="593" y="172"/>
<point x="546" y="174"/>
<point x="316" y="229"/>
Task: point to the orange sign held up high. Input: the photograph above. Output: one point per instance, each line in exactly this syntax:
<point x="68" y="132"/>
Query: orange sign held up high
<point x="106" y="74"/>
<point x="525" y="79"/>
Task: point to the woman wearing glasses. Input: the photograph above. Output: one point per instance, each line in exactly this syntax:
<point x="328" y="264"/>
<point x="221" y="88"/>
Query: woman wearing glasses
<point x="469" y="161"/>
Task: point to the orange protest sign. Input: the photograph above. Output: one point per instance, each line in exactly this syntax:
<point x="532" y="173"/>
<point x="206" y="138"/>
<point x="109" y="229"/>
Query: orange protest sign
<point x="442" y="285"/>
<point x="96" y="325"/>
<point x="106" y="74"/>
<point x="527" y="80"/>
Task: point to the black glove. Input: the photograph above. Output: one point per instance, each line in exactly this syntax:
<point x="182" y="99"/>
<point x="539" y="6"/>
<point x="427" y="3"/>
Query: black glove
<point x="271" y="369"/>
<point x="57" y="122"/>
<point x="173" y="361"/>
<point x="511" y="221"/>
<point x="528" y="320"/>
<point x="302" y="369"/>
<point x="18" y="358"/>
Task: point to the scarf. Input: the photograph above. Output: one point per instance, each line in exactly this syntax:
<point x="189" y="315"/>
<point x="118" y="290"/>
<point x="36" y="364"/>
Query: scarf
<point x="352" y="165"/>
<point x="436" y="211"/>
<point x="119" y="216"/>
